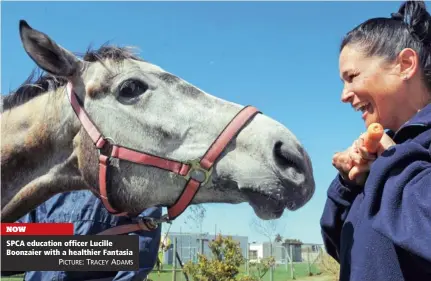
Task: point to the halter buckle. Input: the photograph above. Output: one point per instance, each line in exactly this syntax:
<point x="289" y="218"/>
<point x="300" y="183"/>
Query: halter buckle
<point x="156" y="221"/>
<point x="106" y="149"/>
<point x="197" y="172"/>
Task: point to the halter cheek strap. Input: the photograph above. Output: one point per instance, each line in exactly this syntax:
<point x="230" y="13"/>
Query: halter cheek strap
<point x="196" y="172"/>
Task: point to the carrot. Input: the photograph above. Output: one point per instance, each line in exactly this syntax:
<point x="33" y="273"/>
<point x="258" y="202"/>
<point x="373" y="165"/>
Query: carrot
<point x="373" y="136"/>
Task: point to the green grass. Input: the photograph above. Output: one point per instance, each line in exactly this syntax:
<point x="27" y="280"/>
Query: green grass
<point x="280" y="273"/>
<point x="12" y="278"/>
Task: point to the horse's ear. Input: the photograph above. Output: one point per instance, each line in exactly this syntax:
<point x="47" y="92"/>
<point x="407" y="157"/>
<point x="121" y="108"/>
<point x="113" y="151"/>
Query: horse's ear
<point x="47" y="54"/>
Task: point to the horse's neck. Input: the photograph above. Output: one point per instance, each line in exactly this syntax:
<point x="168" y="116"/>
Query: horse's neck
<point x="37" y="153"/>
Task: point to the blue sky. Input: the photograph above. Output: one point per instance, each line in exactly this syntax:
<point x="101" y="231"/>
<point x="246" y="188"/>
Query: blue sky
<point x="281" y="57"/>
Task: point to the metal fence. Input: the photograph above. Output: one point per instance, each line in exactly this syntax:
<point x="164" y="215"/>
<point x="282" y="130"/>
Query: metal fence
<point x="302" y="253"/>
<point x="298" y="252"/>
<point x="293" y="257"/>
<point x="189" y="245"/>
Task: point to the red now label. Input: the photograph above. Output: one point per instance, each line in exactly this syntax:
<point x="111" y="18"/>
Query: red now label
<point x="37" y="229"/>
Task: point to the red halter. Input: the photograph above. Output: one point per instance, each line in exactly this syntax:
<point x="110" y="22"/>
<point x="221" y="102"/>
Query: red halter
<point x="196" y="172"/>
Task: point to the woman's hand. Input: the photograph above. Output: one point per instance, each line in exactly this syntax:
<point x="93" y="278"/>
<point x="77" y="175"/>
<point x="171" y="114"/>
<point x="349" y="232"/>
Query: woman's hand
<point x="351" y="165"/>
<point x="354" y="163"/>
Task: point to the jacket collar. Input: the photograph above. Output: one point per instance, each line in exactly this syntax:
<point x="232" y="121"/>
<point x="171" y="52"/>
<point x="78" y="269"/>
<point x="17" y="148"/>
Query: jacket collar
<point x="419" y="122"/>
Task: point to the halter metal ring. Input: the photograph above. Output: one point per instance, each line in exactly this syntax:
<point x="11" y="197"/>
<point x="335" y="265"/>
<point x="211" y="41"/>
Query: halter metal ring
<point x="109" y="142"/>
<point x="149" y="222"/>
<point x="197" y="172"/>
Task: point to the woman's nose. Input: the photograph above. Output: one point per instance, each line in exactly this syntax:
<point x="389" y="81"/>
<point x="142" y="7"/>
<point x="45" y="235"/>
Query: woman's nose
<point x="346" y="95"/>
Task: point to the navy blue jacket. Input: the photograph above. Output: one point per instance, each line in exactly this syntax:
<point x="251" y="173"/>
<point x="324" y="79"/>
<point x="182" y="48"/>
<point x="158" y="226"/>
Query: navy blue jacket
<point x="89" y="217"/>
<point x="382" y="231"/>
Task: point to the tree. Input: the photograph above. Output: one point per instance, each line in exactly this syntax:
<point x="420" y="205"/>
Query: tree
<point x="278" y="238"/>
<point x="196" y="216"/>
<point x="269" y="229"/>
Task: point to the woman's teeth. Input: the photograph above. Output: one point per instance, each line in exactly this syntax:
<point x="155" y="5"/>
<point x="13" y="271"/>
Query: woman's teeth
<point x="362" y="108"/>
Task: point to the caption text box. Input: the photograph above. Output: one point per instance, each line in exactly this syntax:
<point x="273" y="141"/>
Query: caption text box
<point x="70" y="253"/>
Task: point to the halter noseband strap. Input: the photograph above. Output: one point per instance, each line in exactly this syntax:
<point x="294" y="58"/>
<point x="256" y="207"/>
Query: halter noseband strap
<point x="197" y="172"/>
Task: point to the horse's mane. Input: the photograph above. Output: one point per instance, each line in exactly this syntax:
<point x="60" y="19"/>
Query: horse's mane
<point x="44" y="82"/>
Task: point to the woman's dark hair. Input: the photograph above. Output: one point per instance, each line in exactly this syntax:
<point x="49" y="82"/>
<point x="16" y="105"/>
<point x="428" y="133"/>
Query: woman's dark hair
<point x="387" y="37"/>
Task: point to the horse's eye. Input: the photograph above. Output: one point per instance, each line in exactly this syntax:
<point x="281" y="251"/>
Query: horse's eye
<point x="132" y="88"/>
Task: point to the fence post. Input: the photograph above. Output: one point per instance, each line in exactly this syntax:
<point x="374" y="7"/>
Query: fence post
<point x="190" y="250"/>
<point x="271" y="269"/>
<point x="292" y="273"/>
<point x="247" y="260"/>
<point x="308" y="259"/>
<point x="319" y="268"/>
<point x="174" y="262"/>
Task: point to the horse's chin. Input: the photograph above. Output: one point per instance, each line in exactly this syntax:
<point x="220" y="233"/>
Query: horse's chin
<point x="266" y="214"/>
<point x="264" y="206"/>
<point x="267" y="207"/>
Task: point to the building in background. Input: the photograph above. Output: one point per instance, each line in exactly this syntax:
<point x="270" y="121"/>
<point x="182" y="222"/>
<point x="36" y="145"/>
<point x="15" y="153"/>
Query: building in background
<point x="255" y="252"/>
<point x="280" y="251"/>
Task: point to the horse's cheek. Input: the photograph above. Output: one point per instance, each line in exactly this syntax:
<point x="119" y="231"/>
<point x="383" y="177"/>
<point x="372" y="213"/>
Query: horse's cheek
<point x="87" y="160"/>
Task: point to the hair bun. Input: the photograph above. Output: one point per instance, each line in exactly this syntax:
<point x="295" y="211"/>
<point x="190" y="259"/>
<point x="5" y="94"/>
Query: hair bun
<point x="415" y="15"/>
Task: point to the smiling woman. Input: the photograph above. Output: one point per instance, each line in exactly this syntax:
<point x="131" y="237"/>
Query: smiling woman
<point x="376" y="222"/>
<point x="385" y="66"/>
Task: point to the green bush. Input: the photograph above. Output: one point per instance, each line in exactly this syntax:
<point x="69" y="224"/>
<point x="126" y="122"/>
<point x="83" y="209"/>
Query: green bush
<point x="223" y="265"/>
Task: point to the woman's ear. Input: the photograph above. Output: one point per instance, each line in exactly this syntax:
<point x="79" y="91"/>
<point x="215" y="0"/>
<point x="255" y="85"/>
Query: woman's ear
<point x="47" y="54"/>
<point x="408" y="60"/>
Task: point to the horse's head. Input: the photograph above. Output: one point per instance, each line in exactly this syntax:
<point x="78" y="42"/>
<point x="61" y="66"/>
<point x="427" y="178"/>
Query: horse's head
<point x="142" y="107"/>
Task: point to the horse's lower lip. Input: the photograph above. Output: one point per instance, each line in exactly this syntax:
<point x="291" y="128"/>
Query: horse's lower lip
<point x="264" y="205"/>
<point x="292" y="206"/>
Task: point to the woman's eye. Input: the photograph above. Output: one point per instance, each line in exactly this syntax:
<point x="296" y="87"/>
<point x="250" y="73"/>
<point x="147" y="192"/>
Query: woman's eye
<point x="132" y="88"/>
<point x="351" y="76"/>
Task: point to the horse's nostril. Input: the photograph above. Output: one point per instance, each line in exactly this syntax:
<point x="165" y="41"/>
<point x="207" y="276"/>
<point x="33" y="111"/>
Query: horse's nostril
<point x="284" y="158"/>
